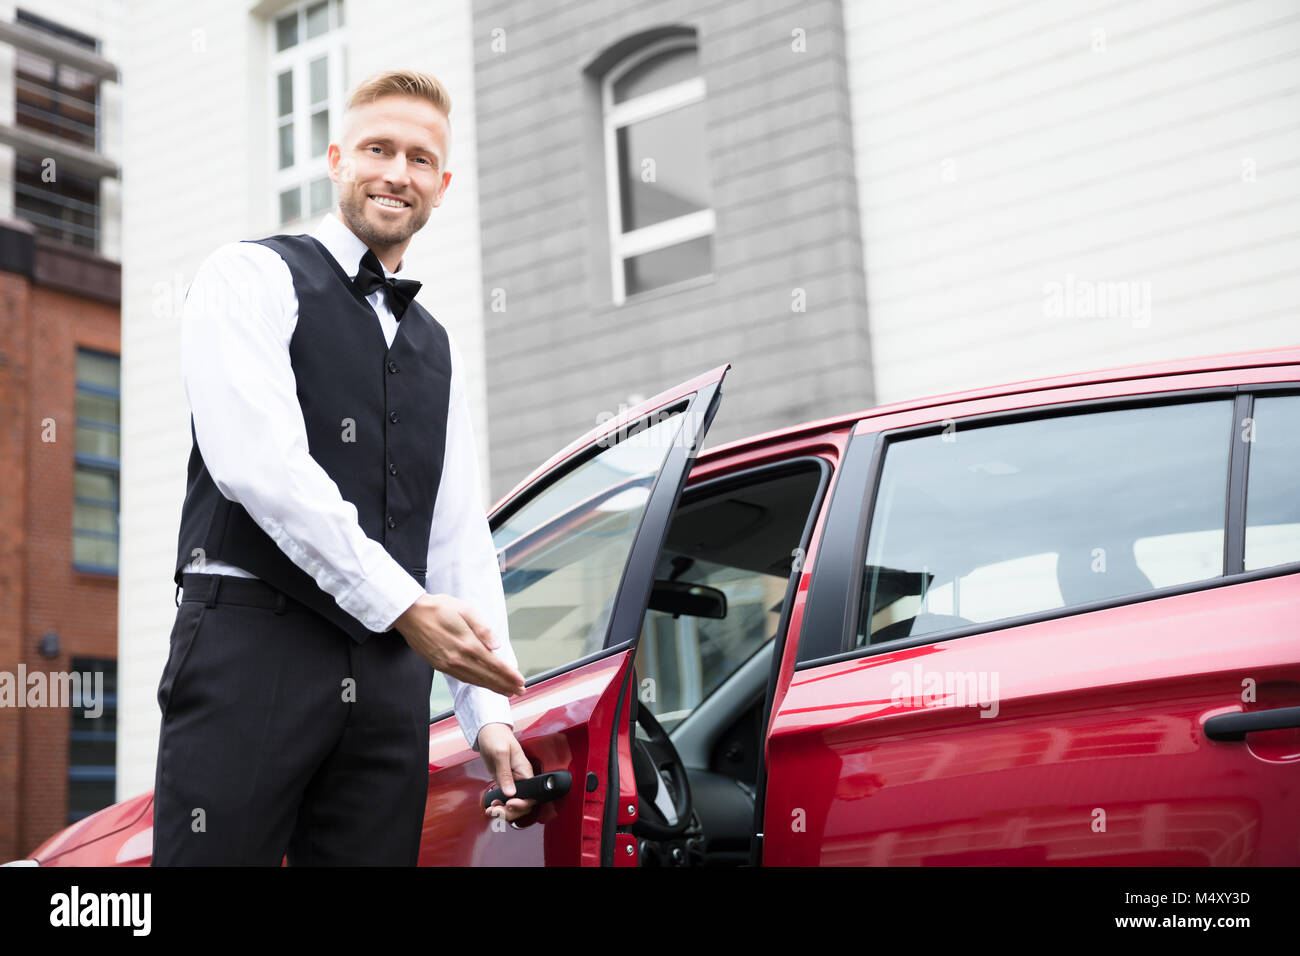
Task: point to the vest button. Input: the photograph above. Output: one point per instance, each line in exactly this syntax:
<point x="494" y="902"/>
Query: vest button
<point x="392" y="417"/>
<point x="392" y="366"/>
<point x="392" y="522"/>
<point x="392" y="469"/>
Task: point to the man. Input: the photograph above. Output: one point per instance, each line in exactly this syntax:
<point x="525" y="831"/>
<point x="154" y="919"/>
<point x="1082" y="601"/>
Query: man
<point x="333" y="547"/>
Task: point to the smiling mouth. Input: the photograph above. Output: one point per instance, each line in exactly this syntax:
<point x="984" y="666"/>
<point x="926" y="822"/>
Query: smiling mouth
<point x="388" y="202"/>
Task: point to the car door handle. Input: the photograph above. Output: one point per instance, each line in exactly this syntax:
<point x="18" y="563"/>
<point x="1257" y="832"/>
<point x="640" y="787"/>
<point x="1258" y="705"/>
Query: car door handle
<point x="544" y="787"/>
<point x="1236" y="726"/>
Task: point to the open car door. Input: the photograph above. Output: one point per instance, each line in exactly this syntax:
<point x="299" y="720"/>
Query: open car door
<point x="577" y="542"/>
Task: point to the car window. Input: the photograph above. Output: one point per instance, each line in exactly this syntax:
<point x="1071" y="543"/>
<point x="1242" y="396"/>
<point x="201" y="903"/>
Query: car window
<point x="988" y="522"/>
<point x="1273" y="483"/>
<point x="562" y="553"/>
<point x="738" y="544"/>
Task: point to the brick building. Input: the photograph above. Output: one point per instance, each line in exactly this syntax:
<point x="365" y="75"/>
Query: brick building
<point x="60" y="331"/>
<point x="60" y="388"/>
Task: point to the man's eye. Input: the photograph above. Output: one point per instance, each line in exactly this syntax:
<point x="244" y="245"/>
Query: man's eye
<point x="378" y="149"/>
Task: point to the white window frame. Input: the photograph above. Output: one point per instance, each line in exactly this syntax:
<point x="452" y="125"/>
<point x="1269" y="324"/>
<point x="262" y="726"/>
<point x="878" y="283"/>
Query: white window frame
<point x="659" y="235"/>
<point x="298" y="59"/>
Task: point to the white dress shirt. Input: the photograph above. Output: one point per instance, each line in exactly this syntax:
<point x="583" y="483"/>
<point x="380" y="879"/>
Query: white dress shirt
<point x="239" y="315"/>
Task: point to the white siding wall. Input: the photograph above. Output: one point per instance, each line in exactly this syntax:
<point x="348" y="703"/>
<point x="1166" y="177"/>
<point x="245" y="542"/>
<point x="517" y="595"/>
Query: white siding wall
<point x="196" y="157"/>
<point x="1009" y="152"/>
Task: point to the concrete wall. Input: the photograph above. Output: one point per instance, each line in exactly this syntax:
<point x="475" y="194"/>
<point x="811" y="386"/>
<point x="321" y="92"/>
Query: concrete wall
<point x="779" y="148"/>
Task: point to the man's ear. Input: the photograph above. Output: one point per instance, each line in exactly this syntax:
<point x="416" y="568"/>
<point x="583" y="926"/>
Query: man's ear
<point x="340" y="170"/>
<point x="446" y="181"/>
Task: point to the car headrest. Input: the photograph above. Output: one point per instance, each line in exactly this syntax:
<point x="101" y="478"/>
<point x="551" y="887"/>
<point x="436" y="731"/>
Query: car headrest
<point x="1085" y="576"/>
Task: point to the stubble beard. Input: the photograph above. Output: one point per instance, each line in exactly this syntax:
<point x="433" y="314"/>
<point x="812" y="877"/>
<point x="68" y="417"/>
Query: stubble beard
<point x="352" y="207"/>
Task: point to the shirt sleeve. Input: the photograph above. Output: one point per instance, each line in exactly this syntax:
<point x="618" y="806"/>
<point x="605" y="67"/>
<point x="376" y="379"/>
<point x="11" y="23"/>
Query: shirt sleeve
<point x="463" y="560"/>
<point x="237" y="322"/>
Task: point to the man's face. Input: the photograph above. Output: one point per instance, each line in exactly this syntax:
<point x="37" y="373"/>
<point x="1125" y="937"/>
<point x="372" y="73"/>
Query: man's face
<point x="390" y="168"/>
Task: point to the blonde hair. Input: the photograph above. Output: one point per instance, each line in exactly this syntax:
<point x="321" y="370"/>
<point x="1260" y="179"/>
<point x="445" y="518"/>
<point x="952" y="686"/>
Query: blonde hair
<point x="426" y="86"/>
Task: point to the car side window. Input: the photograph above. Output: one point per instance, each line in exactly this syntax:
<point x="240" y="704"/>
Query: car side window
<point x="1273" y="482"/>
<point x="720" y="583"/>
<point x="987" y="522"/>
<point x="562" y="552"/>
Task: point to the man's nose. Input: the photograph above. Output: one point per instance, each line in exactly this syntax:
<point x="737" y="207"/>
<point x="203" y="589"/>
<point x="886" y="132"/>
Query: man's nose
<point x="395" y="171"/>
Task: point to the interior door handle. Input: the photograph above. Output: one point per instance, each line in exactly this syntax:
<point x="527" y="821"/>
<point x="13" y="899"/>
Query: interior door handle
<point x="543" y="787"/>
<point x="1236" y="726"/>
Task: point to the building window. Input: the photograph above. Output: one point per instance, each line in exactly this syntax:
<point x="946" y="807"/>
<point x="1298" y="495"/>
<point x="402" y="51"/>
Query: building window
<point x="58" y="100"/>
<point x="660" y="205"/>
<point x="308" y="79"/>
<point x="92" y="739"/>
<point x="95" y="508"/>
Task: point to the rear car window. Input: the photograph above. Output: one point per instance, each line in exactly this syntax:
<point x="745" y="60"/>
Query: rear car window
<point x="990" y="522"/>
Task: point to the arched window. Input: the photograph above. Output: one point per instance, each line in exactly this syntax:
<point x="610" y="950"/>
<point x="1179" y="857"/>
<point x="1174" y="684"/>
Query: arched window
<point x="657" y="175"/>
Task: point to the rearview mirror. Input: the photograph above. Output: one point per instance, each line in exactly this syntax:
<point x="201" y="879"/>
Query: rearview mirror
<point x="682" y="597"/>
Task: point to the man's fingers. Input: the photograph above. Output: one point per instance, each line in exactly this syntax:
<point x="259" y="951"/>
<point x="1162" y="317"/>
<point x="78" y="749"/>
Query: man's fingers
<point x="504" y="678"/>
<point x="515" y="810"/>
<point x="477" y="664"/>
<point x="479" y="628"/>
<point x="487" y="670"/>
<point x="506" y="781"/>
<point x="490" y="672"/>
<point x="519" y="764"/>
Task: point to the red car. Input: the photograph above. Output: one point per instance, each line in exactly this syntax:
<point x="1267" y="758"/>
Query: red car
<point x="1053" y="622"/>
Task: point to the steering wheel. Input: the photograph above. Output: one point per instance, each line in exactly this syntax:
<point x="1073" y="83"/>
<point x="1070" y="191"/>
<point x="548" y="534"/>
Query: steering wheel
<point x="664" y="808"/>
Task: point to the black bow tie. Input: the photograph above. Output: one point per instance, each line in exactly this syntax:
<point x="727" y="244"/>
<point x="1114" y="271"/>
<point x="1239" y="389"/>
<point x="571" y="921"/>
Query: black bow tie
<point x="398" y="292"/>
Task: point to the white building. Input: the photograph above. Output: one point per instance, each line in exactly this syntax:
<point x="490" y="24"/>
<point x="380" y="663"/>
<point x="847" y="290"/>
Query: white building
<point x="202" y="166"/>
<point x="1017" y="161"/>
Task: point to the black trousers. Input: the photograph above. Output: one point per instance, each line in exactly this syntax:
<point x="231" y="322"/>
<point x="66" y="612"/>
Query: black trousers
<point x="281" y="736"/>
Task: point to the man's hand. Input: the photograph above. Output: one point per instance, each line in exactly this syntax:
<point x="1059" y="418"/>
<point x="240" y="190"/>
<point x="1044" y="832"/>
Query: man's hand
<point x="450" y="636"/>
<point x="506" y="762"/>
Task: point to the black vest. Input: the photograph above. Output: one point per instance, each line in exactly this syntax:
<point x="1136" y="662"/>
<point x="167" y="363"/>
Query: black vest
<point x="376" y="421"/>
